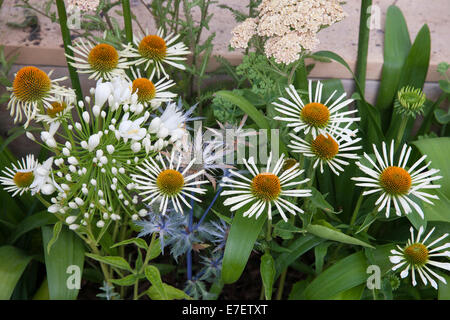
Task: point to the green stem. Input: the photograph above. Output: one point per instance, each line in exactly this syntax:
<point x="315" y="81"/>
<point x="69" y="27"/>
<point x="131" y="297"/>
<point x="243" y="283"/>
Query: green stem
<point x="301" y="76"/>
<point x="363" y="44"/>
<point x="356" y="211"/>
<point x="281" y="284"/>
<point x="401" y="131"/>
<point x="269" y="230"/>
<point x="127" y="20"/>
<point x="62" y="15"/>
<point x="141" y="270"/>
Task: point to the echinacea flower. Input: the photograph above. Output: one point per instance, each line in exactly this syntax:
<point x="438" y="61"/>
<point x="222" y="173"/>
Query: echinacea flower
<point x="158" y="49"/>
<point x="417" y="255"/>
<point x="150" y="93"/>
<point x="327" y="149"/>
<point x="33" y="90"/>
<point x="167" y="183"/>
<point x="396" y="183"/>
<point x="20" y="177"/>
<point x="102" y="60"/>
<point x="268" y="186"/>
<point x="315" y="117"/>
<point x="60" y="110"/>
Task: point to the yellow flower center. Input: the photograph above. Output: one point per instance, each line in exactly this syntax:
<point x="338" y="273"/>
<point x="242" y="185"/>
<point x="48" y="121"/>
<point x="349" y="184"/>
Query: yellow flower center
<point x="56" y="108"/>
<point x="146" y="90"/>
<point x="170" y="182"/>
<point x="266" y="186"/>
<point x="395" y="180"/>
<point x="103" y="58"/>
<point x="324" y="147"/>
<point x="31" y="84"/>
<point x="315" y="114"/>
<point x="23" y="179"/>
<point x="417" y="254"/>
<point x="153" y="47"/>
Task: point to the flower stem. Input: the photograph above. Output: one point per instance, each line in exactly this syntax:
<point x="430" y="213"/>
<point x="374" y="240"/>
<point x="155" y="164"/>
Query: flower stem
<point x="62" y="15"/>
<point x="209" y="208"/>
<point x="127" y="20"/>
<point x="401" y="132"/>
<point x="281" y="284"/>
<point x="363" y="43"/>
<point x="356" y="211"/>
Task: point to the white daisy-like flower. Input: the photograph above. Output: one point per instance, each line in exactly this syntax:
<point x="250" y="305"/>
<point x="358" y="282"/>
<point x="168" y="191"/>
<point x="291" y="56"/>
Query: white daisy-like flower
<point x="167" y="182"/>
<point x="417" y="255"/>
<point x="42" y="181"/>
<point x="20" y="177"/>
<point x="157" y="50"/>
<point x="327" y="149"/>
<point x="268" y="186"/>
<point x="315" y="117"/>
<point x="150" y="93"/>
<point x="395" y="183"/>
<point x="172" y="121"/>
<point x="102" y="60"/>
<point x="32" y="91"/>
<point x="60" y="111"/>
<point x="131" y="129"/>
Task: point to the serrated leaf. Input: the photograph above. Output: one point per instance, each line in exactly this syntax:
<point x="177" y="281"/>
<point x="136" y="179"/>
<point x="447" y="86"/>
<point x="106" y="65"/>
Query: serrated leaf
<point x="115" y="261"/>
<point x="137" y="241"/>
<point x="153" y="275"/>
<point x="125" y="281"/>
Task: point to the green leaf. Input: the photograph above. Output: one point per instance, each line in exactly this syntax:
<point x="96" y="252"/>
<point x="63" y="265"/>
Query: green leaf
<point x="115" y="261"/>
<point x="13" y="262"/>
<point x="297" y="290"/>
<point x="434" y="148"/>
<point x="330" y="234"/>
<point x="342" y="276"/>
<point x="31" y="222"/>
<point x="137" y="241"/>
<point x="439" y="210"/>
<point x="297" y="248"/>
<point x="444" y="289"/>
<point x="242" y="236"/>
<point x="396" y="48"/>
<point x="441" y="116"/>
<point x="354" y="293"/>
<point x="285" y="230"/>
<point x="126" y="281"/>
<point x="267" y="269"/>
<point x="320" y="252"/>
<point x="172" y="293"/>
<point x="153" y="275"/>
<point x="252" y="112"/>
<point x="67" y="251"/>
<point x="413" y="74"/>
<point x="380" y="257"/>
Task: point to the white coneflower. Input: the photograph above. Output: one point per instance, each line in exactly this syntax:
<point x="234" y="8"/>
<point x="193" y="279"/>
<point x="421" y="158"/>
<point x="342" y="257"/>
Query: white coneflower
<point x="315" y="117"/>
<point x="266" y="188"/>
<point x="157" y="50"/>
<point x="60" y="110"/>
<point x="395" y="183"/>
<point x="102" y="60"/>
<point x="327" y="149"/>
<point x="416" y="256"/>
<point x="167" y="182"/>
<point x="150" y="93"/>
<point x="20" y="177"/>
<point x="33" y="90"/>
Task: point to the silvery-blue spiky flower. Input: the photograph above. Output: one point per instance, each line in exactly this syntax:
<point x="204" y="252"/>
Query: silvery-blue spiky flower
<point x="217" y="233"/>
<point x="167" y="226"/>
<point x="212" y="267"/>
<point x="184" y="238"/>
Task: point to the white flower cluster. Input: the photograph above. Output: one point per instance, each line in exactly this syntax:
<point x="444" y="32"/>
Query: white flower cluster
<point x="290" y="26"/>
